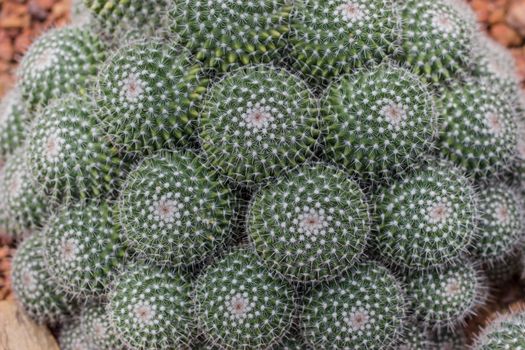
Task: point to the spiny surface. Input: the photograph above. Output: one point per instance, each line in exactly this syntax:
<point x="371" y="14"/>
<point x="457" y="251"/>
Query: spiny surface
<point x="13" y="123"/>
<point x="311" y="226"/>
<point x="258" y="123"/>
<point x="72" y="337"/>
<point x="96" y="327"/>
<point x="506" y="332"/>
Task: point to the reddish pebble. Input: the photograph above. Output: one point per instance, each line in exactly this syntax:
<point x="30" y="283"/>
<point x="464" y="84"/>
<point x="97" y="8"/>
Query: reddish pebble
<point x="516" y="16"/>
<point x="505" y="35"/>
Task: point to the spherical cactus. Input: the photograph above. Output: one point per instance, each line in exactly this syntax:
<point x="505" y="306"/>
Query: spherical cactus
<point x="311" y="226"/>
<point x="478" y="130"/>
<point x="379" y="121"/>
<point x="506" y="332"/>
<point x="437" y="38"/>
<point x="173" y="211"/>
<point x="448" y="339"/>
<point x="363" y="310"/>
<point x="33" y="285"/>
<point x="241" y="305"/>
<point x="97" y="329"/>
<point x="13" y="119"/>
<point x="257" y="123"/>
<point x="330" y="38"/>
<point x="61" y="61"/>
<point x="415" y="337"/>
<point x="72" y="337"/>
<point x="225" y="34"/>
<point x="445" y="297"/>
<point x="82" y="247"/>
<point x="69" y="156"/>
<point x="25" y="206"/>
<point x="427" y="219"/>
<point x="148" y="97"/>
<point x="150" y="308"/>
<point x="500" y="226"/>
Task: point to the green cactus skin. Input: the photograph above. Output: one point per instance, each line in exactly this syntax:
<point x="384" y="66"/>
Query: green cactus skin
<point x="437" y="39"/>
<point x="363" y="310"/>
<point x="427" y="219"/>
<point x="446" y="339"/>
<point x="415" y="337"/>
<point x="33" y="286"/>
<point x="506" y="332"/>
<point x="96" y="328"/>
<point x="173" y="211"/>
<point x="258" y="123"/>
<point x="445" y="297"/>
<point x="478" y="130"/>
<point x="61" y="61"/>
<point x="148" y="97"/>
<point x="69" y="155"/>
<point x="13" y="119"/>
<point x="25" y="206"/>
<point x="151" y="308"/>
<point x="311" y="226"/>
<point x="82" y="248"/>
<point x="239" y="304"/>
<point x="329" y="38"/>
<point x="379" y="121"/>
<point x="224" y="34"/>
<point x="500" y="228"/>
<point x="72" y="337"/>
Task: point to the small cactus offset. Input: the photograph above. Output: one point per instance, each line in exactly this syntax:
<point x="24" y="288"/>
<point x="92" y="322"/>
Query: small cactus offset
<point x="312" y="226"/>
<point x="97" y="329"/>
<point x="71" y="336"/>
<point x="506" y="332"/>
<point x="173" y="211"/>
<point x="13" y="123"/>
<point x="257" y="123"/>
<point x="239" y="304"/>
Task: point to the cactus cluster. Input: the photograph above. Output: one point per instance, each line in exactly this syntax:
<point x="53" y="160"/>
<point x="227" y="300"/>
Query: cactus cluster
<point x="264" y="174"/>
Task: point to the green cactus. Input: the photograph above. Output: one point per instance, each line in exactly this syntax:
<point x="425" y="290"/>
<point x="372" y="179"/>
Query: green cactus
<point x="72" y="337"/>
<point x="438" y="39"/>
<point x="312" y="226"/>
<point x="34" y="287"/>
<point x="241" y="305"/>
<point x="62" y="61"/>
<point x="69" y="156"/>
<point x="25" y="207"/>
<point x="364" y="309"/>
<point x="448" y="339"/>
<point x="427" y="219"/>
<point x="173" y="211"/>
<point x="96" y="328"/>
<point x="379" y="122"/>
<point x="13" y="120"/>
<point x="258" y="123"/>
<point x="447" y="296"/>
<point x="500" y="228"/>
<point x="224" y="34"/>
<point x="148" y="97"/>
<point x="415" y="337"/>
<point x="478" y="131"/>
<point x="82" y="248"/>
<point x="506" y="332"/>
<point x="332" y="37"/>
<point x="150" y="308"/>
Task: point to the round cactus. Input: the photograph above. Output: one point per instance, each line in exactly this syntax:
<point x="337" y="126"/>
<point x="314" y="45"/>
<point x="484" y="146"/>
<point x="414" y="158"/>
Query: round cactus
<point x="240" y="305"/>
<point x="415" y="337"/>
<point x="427" y="219"/>
<point x="33" y="285"/>
<point x="82" y="247"/>
<point x="13" y="119"/>
<point x="72" y="337"/>
<point x="438" y="38"/>
<point x="312" y="226"/>
<point x="225" y="34"/>
<point x="61" y="61"/>
<point x="500" y="226"/>
<point x="478" y="130"/>
<point x="365" y="309"/>
<point x="448" y="339"/>
<point x="257" y="123"/>
<point x="96" y="328"/>
<point x="330" y="38"/>
<point x="379" y="121"/>
<point x="150" y="308"/>
<point x="25" y="207"/>
<point x="173" y="211"/>
<point x="445" y="297"/>
<point x="69" y="156"/>
<point x="506" y="332"/>
<point x="148" y="97"/>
